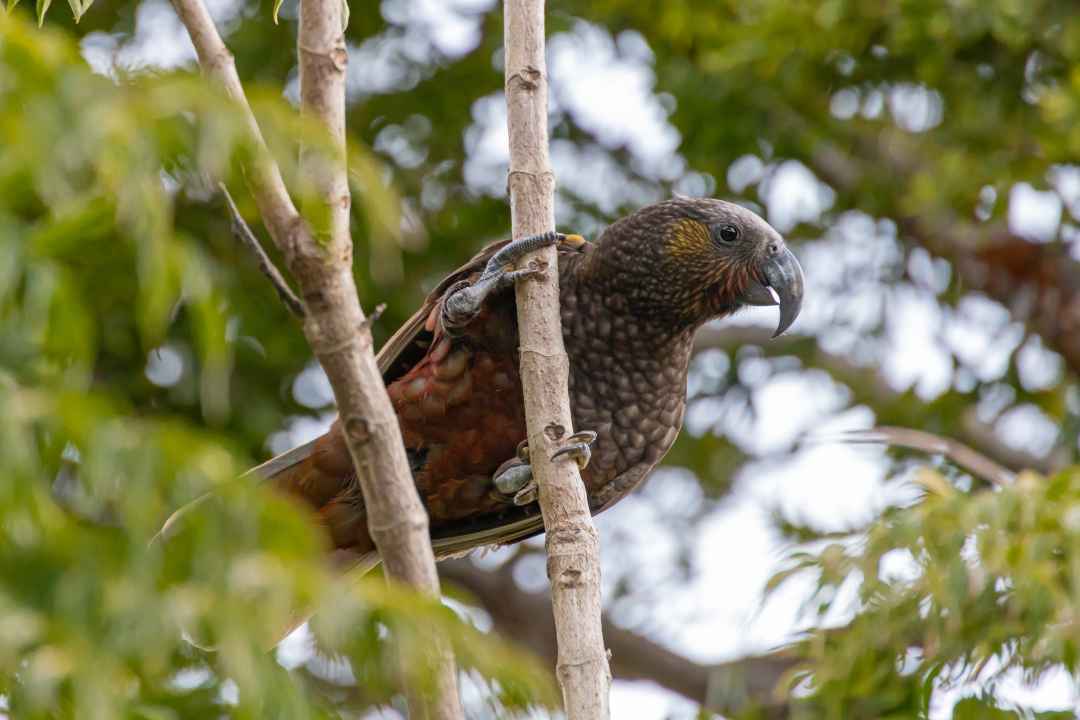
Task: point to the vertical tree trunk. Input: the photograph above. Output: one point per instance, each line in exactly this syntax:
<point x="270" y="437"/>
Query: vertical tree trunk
<point x="336" y="328"/>
<point x="573" y="546"/>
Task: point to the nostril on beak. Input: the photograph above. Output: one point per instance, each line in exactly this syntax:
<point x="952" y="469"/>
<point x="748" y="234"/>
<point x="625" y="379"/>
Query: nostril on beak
<point x="773" y="248"/>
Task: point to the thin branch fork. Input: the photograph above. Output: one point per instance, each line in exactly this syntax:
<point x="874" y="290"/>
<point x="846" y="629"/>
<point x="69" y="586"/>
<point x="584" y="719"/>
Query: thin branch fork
<point x="242" y="231"/>
<point x="573" y="546"/>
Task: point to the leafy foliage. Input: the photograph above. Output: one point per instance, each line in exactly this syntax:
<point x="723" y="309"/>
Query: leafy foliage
<point x="914" y="120"/>
<point x="98" y="271"/>
<point x="950" y="589"/>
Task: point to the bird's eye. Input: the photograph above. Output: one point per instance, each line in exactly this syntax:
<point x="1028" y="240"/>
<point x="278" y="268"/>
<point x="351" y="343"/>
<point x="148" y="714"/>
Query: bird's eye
<point x="729" y="233"/>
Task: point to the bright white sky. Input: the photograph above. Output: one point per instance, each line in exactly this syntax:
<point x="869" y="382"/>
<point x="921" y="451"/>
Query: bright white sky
<point x="608" y="85"/>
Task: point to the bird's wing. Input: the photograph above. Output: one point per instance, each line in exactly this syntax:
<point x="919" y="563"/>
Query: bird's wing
<point x="394" y="356"/>
<point x="461" y="544"/>
<point x="398" y="354"/>
<point x="392" y="359"/>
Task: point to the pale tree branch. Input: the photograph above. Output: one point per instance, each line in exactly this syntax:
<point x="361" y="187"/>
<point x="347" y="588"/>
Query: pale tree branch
<point x="573" y="545"/>
<point x="341" y="338"/>
<point x="334" y="323"/>
<point x="729" y="687"/>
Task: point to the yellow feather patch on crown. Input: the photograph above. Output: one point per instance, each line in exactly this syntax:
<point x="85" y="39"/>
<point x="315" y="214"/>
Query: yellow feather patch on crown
<point x="688" y="238"/>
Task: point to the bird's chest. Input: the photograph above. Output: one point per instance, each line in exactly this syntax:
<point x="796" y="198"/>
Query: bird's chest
<point x="627" y="383"/>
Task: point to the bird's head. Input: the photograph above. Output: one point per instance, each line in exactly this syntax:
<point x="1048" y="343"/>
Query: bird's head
<point x="701" y="258"/>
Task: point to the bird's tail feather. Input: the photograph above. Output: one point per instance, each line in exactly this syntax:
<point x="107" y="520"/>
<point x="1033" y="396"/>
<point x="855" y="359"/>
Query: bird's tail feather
<point x="279" y="467"/>
<point x="460" y="545"/>
<point x="280" y="463"/>
<point x="276" y="468"/>
<point x="279" y="470"/>
<point x="269" y="470"/>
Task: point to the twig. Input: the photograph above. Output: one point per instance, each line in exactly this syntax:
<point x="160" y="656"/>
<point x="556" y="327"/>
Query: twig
<point x="975" y="463"/>
<point x="573" y="545"/>
<point x="279" y="213"/>
<point x="374" y="315"/>
<point x="243" y="233"/>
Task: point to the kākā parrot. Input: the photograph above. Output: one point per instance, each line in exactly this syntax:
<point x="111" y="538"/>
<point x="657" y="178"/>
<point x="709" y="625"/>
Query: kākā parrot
<point x="630" y="303"/>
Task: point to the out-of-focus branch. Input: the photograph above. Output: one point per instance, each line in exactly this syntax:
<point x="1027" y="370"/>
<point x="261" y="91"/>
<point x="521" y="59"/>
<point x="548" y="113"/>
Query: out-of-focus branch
<point x="728" y="687"/>
<point x="974" y="462"/>
<point x="286" y="228"/>
<point x="869" y="387"/>
<point x="334" y="323"/>
<point x="1038" y="282"/>
<point x="573" y="545"/>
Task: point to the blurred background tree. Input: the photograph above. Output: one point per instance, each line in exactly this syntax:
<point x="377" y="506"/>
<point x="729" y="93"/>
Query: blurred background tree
<point x="920" y="157"/>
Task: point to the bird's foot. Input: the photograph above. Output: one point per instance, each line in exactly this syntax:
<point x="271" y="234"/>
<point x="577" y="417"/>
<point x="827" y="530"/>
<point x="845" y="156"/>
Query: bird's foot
<point x="464" y="301"/>
<point x="528" y="494"/>
<point x="514" y="478"/>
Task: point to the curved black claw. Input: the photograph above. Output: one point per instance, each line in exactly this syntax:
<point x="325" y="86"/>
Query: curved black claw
<point x="578" y="448"/>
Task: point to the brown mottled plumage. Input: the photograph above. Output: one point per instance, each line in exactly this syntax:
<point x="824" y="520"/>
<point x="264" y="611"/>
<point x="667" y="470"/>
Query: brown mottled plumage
<point x="630" y="305"/>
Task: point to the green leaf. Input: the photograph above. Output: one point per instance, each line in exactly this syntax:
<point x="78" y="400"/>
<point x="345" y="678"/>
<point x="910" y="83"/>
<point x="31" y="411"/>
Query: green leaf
<point x="277" y="6"/>
<point x="980" y="709"/>
<point x="11" y="4"/>
<point x="77" y="9"/>
<point x="42" y="8"/>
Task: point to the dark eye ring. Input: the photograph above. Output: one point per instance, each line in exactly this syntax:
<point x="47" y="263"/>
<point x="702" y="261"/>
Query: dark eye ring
<point x="729" y="233"/>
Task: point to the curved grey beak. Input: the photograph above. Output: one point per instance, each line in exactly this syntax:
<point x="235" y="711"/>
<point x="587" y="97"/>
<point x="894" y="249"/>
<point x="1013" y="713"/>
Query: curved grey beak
<point x="784" y="276"/>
